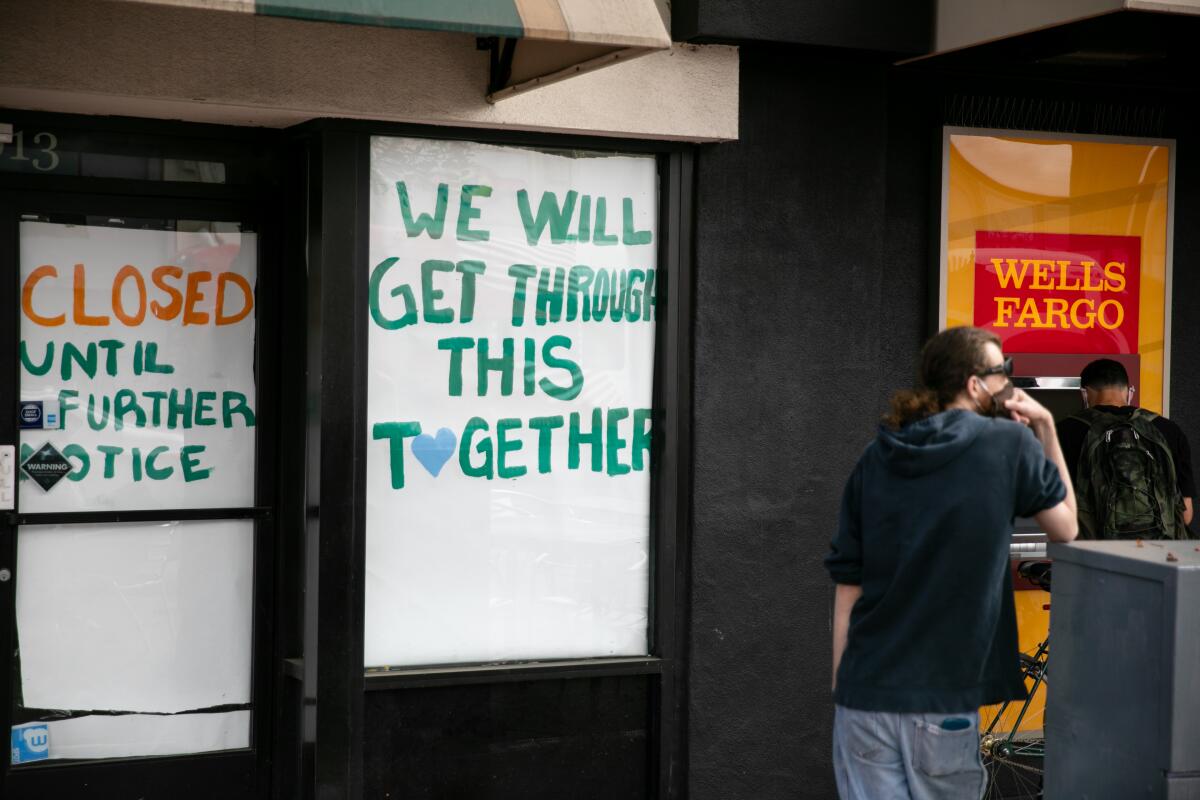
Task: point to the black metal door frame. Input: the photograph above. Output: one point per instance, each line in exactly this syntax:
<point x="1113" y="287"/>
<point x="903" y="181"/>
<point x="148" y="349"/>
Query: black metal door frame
<point x="229" y="774"/>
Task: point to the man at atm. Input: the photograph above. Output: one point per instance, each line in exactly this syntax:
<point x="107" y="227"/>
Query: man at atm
<point x="1107" y="396"/>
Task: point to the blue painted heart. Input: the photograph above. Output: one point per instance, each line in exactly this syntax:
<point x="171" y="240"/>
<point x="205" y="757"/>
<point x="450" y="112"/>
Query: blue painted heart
<point x="434" y="451"/>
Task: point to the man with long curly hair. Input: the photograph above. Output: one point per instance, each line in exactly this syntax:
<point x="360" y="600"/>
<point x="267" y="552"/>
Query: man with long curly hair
<point x="924" y="628"/>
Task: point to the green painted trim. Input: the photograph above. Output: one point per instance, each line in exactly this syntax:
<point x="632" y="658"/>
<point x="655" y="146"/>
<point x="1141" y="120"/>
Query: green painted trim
<point x="481" y="17"/>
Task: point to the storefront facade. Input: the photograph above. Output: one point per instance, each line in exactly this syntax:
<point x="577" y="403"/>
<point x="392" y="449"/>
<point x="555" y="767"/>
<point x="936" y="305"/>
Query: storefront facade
<point x="372" y="439"/>
<point x="846" y="265"/>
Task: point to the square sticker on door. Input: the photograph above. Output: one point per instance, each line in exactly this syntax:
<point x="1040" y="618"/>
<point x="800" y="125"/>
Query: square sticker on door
<point x="30" y="743"/>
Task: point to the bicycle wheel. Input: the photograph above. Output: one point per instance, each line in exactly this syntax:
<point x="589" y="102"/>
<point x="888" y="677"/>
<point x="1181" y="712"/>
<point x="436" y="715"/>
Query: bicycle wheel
<point x="1012" y="741"/>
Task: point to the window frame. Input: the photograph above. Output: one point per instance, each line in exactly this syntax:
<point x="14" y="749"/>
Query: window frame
<point x="338" y="237"/>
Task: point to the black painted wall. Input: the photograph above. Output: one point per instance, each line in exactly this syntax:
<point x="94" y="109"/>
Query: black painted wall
<point x="811" y="302"/>
<point x="815" y="287"/>
<point x="1185" y="306"/>
<point x="877" y="25"/>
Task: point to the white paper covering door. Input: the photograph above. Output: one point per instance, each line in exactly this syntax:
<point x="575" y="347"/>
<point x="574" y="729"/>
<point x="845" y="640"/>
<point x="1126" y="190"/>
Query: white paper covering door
<point x="510" y="385"/>
<point x="129" y="735"/>
<point x="151" y="617"/>
<point x="139" y="347"/>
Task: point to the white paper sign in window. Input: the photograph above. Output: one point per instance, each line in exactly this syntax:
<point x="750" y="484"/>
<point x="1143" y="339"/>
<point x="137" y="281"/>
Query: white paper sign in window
<point x="151" y="616"/>
<point x="137" y="367"/>
<point x="512" y="313"/>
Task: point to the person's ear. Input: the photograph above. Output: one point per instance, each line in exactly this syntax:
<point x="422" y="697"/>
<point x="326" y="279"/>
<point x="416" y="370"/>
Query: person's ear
<point x="1129" y="396"/>
<point x="1083" y="396"/>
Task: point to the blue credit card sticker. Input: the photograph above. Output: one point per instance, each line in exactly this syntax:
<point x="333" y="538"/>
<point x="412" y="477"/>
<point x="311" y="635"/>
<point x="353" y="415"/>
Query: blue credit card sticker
<point x="30" y="743"/>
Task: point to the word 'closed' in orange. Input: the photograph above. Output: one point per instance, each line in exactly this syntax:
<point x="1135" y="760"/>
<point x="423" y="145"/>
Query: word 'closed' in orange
<point x="171" y="293"/>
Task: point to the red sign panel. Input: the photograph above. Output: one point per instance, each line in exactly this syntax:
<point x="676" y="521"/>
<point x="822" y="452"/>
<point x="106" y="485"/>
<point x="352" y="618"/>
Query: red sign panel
<point x="1058" y="292"/>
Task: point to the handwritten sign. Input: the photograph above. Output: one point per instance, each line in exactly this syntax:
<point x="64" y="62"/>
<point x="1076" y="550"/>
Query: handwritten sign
<point x="513" y="297"/>
<point x="142" y="344"/>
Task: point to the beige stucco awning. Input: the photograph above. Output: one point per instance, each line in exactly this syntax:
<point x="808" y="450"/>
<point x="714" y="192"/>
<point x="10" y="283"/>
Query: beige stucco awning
<point x="966" y="23"/>
<point x="533" y="42"/>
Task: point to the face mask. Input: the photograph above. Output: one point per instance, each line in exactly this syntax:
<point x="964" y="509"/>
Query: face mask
<point x="996" y="406"/>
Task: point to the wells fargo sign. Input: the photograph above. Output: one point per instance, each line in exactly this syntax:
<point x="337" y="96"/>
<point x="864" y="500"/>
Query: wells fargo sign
<point x="1058" y="293"/>
<point x="1059" y="245"/>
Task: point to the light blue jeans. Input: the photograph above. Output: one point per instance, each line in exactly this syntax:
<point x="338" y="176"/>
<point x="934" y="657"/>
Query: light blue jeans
<point x="879" y="755"/>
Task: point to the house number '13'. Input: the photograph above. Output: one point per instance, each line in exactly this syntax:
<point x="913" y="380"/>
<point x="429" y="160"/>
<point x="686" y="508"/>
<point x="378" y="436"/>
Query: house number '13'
<point x="44" y="145"/>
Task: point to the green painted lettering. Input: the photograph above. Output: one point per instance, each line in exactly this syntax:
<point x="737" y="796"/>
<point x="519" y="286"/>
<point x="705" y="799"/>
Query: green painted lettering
<point x="642" y="422"/>
<point x="503" y="365"/>
<point x="72" y="353"/>
<point x="430" y="295"/>
<point x="110" y="347"/>
<point x="614" y="443"/>
<point x="105" y="408"/>
<point x="520" y="273"/>
<point x="152" y="364"/>
<point x="403" y="291"/>
<point x="110" y="458"/>
<point x="594" y="439"/>
<point x="545" y="427"/>
<point x="424" y="223"/>
<point x="600" y="237"/>
<point x="456" y="345"/>
<point x="468" y="269"/>
<point x="548" y="307"/>
<point x="468" y="212"/>
<point x="548" y="386"/>
<point x="66" y="402"/>
<point x="396" y="433"/>
<point x="648" y="308"/>
<point x="584" y="232"/>
<point x="600" y="295"/>
<point x="192" y="471"/>
<point x="85" y="462"/>
<point x="124" y="403"/>
<point x="159" y="399"/>
<point x="633" y="310"/>
<point x="530" y="373"/>
<point x="39" y="369"/>
<point x="620" y="298"/>
<point x="154" y="472"/>
<point x="504" y="446"/>
<point x="549" y="213"/>
<point x="234" y="403"/>
<point x="204" y="405"/>
<point x="578" y="283"/>
<point x="629" y="235"/>
<point x="180" y="411"/>
<point x="475" y="425"/>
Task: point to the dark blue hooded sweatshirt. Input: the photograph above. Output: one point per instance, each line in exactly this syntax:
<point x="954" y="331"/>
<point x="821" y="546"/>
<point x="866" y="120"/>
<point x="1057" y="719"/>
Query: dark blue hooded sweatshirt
<point x="925" y="527"/>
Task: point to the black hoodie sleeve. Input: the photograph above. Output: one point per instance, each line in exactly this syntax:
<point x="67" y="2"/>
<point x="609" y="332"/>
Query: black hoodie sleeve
<point x="844" y="561"/>
<point x="1037" y="482"/>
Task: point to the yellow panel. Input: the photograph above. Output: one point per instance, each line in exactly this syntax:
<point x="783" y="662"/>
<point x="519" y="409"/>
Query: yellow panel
<point x="1033" y="625"/>
<point x="1010" y="183"/>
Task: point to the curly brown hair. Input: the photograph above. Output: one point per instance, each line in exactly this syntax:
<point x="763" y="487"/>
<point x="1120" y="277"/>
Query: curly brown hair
<point x="948" y="360"/>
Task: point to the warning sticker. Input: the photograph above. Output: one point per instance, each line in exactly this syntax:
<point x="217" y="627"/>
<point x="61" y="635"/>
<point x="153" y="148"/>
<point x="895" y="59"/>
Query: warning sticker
<point x="46" y="466"/>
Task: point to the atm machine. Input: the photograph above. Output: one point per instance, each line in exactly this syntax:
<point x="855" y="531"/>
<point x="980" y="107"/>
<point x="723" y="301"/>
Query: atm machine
<point x="1060" y="394"/>
<point x="1053" y="380"/>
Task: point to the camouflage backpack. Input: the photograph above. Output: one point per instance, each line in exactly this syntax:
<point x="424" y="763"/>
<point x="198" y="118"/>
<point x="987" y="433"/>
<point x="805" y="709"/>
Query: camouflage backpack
<point x="1125" y="487"/>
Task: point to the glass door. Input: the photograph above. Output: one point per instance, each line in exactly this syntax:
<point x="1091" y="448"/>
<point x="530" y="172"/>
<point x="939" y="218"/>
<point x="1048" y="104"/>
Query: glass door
<point x="137" y="543"/>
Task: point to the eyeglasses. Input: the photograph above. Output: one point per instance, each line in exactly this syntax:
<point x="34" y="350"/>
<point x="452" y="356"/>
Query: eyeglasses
<point x="1005" y="369"/>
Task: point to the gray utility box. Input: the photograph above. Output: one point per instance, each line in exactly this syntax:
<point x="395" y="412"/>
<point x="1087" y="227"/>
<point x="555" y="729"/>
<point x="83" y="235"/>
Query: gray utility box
<point x="1123" y="685"/>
